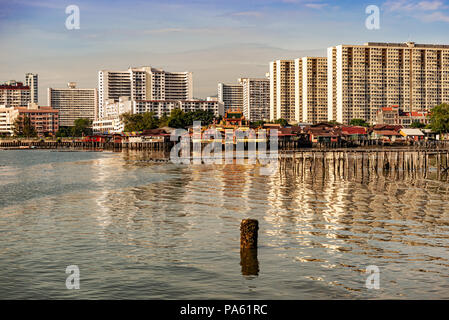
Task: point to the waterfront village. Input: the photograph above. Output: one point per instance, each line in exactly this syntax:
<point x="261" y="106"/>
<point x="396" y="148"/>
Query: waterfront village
<point x="309" y="101"/>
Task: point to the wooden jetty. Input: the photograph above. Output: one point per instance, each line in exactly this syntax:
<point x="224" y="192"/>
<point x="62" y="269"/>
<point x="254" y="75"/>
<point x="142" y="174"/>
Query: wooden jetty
<point x="353" y="162"/>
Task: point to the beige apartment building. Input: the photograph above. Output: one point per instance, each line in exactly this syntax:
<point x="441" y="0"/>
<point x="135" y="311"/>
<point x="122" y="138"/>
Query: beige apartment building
<point x="231" y="95"/>
<point x="282" y="90"/>
<point x="298" y="89"/>
<point x="73" y="103"/>
<point x="364" y="78"/>
<point x="311" y="89"/>
<point x="143" y="83"/>
<point x="256" y="98"/>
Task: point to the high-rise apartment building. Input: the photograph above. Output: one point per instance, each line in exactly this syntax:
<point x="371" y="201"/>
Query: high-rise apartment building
<point x="32" y="82"/>
<point x="231" y="95"/>
<point x="144" y="83"/>
<point x="364" y="78"/>
<point x="298" y="89"/>
<point x="314" y="104"/>
<point x="256" y="98"/>
<point x="282" y="90"/>
<point x="73" y="103"/>
<point x="14" y="94"/>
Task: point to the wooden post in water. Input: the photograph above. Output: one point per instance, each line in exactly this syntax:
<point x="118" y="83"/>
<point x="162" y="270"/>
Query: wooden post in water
<point x="248" y="247"/>
<point x="248" y="233"/>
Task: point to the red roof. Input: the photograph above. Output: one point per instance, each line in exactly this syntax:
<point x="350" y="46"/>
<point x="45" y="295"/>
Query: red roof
<point x="353" y="130"/>
<point x="17" y="87"/>
<point x="388" y="133"/>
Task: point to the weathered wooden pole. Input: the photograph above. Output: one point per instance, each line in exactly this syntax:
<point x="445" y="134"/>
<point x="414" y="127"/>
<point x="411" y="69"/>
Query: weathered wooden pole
<point x="248" y="247"/>
<point x="248" y="233"/>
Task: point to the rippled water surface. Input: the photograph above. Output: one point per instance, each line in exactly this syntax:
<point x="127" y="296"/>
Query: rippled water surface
<point x="142" y="230"/>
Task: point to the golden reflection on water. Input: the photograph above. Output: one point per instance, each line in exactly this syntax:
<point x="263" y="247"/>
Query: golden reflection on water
<point x="317" y="232"/>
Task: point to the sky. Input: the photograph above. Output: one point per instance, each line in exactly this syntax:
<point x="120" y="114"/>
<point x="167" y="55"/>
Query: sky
<point x="219" y="41"/>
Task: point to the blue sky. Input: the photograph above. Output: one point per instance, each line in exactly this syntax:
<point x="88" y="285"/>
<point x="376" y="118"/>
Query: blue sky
<point x="219" y="41"/>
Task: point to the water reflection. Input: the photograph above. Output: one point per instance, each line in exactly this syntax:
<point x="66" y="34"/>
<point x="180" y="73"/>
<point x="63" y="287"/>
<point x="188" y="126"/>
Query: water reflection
<point x="153" y="230"/>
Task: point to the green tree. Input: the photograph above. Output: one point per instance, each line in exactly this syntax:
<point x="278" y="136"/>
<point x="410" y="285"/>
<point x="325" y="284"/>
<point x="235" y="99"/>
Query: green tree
<point x="140" y="121"/>
<point x="335" y="122"/>
<point x="417" y="125"/>
<point x="282" y="122"/>
<point x="23" y="127"/>
<point x="82" y="127"/>
<point x="177" y="119"/>
<point x="163" y="121"/>
<point x="359" y="122"/>
<point x="206" y="117"/>
<point x="149" y="121"/>
<point x="439" y="118"/>
<point x="257" y="124"/>
<point x="64" y="132"/>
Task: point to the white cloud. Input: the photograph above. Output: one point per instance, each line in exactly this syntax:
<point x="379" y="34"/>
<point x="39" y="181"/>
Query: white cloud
<point x="436" y="16"/>
<point x="408" y="6"/>
<point x="316" y="5"/>
<point x="427" y="11"/>
<point x="247" y="14"/>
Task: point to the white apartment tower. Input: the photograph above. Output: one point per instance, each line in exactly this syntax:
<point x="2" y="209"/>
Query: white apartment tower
<point x="231" y="95"/>
<point x="282" y="90"/>
<point x="144" y="83"/>
<point x="73" y="103"/>
<point x="256" y="98"/>
<point x="364" y="78"/>
<point x="32" y="82"/>
<point x="314" y="89"/>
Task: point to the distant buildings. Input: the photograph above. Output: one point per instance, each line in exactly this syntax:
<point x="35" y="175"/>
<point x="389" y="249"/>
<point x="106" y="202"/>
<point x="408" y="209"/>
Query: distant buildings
<point x="395" y="116"/>
<point x="111" y="122"/>
<point x="356" y="81"/>
<point x="282" y="91"/>
<point x="250" y="95"/>
<point x="161" y="107"/>
<point x="31" y="80"/>
<point x="8" y="116"/>
<point x="73" y="103"/>
<point x="256" y="98"/>
<point x="298" y="90"/>
<point x="365" y="78"/>
<point x="312" y="88"/>
<point x="231" y="95"/>
<point x="14" y="94"/>
<point x="45" y="120"/>
<point x="144" y="83"/>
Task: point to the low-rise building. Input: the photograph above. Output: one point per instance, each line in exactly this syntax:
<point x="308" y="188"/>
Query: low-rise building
<point x="45" y="120"/>
<point x="161" y="107"/>
<point x="386" y="132"/>
<point x="412" y="134"/>
<point x="395" y="116"/>
<point x="111" y="122"/>
<point x="8" y="117"/>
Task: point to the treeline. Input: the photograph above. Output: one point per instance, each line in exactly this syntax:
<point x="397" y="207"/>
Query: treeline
<point x="176" y="119"/>
<point x="81" y="127"/>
